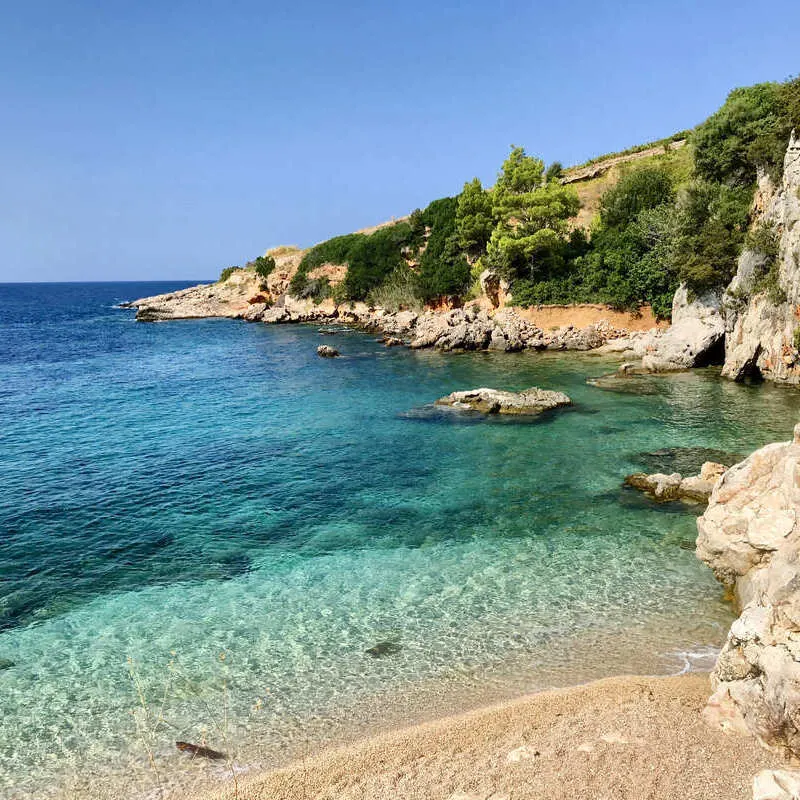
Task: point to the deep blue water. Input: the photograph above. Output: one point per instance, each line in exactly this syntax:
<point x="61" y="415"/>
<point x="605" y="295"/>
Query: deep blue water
<point x="206" y="514"/>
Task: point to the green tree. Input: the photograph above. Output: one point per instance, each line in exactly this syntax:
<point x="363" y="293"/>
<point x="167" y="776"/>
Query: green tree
<point x="531" y="218"/>
<point x="443" y="268"/>
<point x="474" y="221"/>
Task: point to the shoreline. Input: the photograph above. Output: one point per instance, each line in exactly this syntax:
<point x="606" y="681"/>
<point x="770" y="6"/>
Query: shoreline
<point x="589" y="741"/>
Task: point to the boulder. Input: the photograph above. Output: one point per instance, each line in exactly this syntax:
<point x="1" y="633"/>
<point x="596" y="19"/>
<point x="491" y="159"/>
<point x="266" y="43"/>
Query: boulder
<point x="750" y="537"/>
<point x="326" y="351"/>
<point x="494" y="401"/>
<point x="694" y="338"/>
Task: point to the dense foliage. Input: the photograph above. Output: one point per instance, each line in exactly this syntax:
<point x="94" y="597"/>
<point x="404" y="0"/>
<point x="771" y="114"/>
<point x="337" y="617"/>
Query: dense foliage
<point x="674" y="216"/>
<point x="749" y="131"/>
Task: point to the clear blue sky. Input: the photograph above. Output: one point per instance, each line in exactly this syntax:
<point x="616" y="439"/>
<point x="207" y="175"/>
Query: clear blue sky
<point x="146" y="140"/>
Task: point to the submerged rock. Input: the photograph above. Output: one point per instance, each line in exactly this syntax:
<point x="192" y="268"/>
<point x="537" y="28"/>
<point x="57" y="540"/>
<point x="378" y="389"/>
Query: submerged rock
<point x="199" y="750"/>
<point x="686" y="460"/>
<point x="6" y="663"/>
<point x="381" y="649"/>
<point x="495" y="401"/>
<point x="750" y="537"/>
<point x="326" y="351"/>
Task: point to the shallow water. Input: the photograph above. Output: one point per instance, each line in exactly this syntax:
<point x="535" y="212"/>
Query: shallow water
<point x="205" y="519"/>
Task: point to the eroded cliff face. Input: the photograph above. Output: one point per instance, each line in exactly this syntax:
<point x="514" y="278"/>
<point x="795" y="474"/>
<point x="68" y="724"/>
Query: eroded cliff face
<point x="760" y="328"/>
<point x="750" y="537"/>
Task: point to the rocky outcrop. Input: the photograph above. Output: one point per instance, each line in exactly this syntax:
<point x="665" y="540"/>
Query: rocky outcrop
<point x="230" y="298"/>
<point x="750" y="537"/>
<point x="494" y="401"/>
<point x="762" y="324"/>
<point x="326" y="351"/>
<point x="694" y="339"/>
<point x="695" y="488"/>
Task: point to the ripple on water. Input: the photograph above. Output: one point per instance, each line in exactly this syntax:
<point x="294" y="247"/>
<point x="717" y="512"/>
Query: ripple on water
<point x="214" y="509"/>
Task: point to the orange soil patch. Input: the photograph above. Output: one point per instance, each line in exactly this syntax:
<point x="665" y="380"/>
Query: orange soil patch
<point x="583" y="314"/>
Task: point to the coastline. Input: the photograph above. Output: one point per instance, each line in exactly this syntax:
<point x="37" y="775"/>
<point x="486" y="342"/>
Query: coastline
<point x="596" y="740"/>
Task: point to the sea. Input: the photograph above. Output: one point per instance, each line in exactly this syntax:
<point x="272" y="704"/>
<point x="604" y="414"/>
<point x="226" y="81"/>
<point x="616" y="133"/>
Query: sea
<point x="209" y="534"/>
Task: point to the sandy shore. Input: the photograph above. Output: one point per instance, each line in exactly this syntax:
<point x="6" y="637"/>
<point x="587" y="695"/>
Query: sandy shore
<point x="626" y="738"/>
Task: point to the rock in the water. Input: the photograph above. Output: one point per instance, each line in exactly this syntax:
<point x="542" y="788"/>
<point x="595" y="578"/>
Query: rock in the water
<point x="6" y="663"/>
<point x="494" y="401"/>
<point x="393" y="341"/>
<point x="381" y="649"/>
<point x="696" y="488"/>
<point x="326" y="351"/>
<point x="662" y="487"/>
<point x="750" y="537"/>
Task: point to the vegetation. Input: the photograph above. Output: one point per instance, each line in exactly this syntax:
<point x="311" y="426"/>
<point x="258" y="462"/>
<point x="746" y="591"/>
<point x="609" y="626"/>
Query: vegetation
<point x="673" y="216"/>
<point x="263" y="266"/>
<point x="226" y="273"/>
<point x="750" y="131"/>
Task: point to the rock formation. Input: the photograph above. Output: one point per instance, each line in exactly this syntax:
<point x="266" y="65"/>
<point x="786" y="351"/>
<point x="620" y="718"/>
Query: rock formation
<point x="695" y="488"/>
<point x="761" y="325"/>
<point x="693" y="340"/>
<point x="494" y="401"/>
<point x="326" y="351"/>
<point x="750" y="537"/>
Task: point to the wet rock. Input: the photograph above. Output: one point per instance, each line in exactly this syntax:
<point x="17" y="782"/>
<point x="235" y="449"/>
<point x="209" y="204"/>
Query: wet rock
<point x="326" y="351"/>
<point x="662" y="487"/>
<point x="494" y="401"/>
<point x="383" y="649"/>
<point x="6" y="663"/>
<point x="393" y="341"/>
<point x="695" y="488"/>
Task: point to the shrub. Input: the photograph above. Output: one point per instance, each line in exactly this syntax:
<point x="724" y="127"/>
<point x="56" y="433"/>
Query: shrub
<point x="750" y="130"/>
<point x="636" y="191"/>
<point x="264" y="265"/>
<point x="400" y="291"/>
<point x="226" y="273"/>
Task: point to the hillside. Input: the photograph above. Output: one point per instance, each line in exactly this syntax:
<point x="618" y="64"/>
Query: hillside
<point x="625" y="229"/>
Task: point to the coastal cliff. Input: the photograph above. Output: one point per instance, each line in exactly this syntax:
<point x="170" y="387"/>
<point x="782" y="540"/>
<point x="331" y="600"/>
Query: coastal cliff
<point x="762" y="321"/>
<point x="750" y="537"/>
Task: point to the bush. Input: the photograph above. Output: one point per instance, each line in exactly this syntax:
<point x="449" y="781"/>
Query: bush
<point x="750" y="130"/>
<point x="399" y="292"/>
<point x="226" y="273"/>
<point x="264" y="266"/>
<point x="636" y="191"/>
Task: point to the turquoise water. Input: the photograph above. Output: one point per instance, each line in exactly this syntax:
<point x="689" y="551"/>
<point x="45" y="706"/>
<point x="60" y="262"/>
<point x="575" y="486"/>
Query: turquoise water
<point x="206" y="520"/>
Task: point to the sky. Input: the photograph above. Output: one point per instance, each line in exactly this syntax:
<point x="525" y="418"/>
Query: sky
<point x="169" y="139"/>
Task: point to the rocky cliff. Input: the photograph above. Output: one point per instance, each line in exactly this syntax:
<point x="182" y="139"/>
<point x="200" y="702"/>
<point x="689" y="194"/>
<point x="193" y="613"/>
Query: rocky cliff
<point x="750" y="537"/>
<point x="761" y="324"/>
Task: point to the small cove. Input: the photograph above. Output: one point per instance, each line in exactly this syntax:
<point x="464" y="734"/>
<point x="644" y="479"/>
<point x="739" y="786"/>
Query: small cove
<point x="211" y="507"/>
